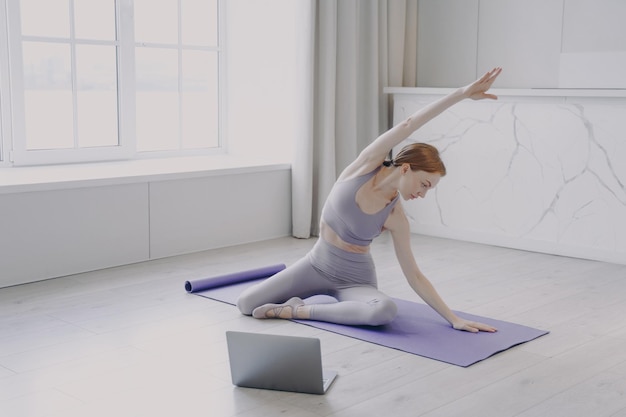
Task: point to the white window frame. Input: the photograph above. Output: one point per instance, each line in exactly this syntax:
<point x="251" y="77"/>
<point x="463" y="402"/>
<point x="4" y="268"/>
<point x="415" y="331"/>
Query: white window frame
<point x="222" y="82"/>
<point x="14" y="150"/>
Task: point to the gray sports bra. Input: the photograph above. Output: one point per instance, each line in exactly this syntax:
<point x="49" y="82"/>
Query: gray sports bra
<point x="347" y="219"/>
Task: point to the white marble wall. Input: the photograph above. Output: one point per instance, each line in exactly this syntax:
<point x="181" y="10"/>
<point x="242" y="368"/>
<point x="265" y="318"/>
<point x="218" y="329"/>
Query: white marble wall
<point x="529" y="171"/>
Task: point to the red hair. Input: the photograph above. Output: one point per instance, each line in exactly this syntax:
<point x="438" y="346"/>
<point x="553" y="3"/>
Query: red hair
<point x="421" y="157"/>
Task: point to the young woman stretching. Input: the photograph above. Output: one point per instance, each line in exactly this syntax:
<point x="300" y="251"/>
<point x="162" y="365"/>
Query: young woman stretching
<point x="363" y="203"/>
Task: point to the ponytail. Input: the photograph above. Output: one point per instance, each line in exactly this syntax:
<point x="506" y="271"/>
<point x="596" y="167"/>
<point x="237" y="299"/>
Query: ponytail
<point x="421" y="157"/>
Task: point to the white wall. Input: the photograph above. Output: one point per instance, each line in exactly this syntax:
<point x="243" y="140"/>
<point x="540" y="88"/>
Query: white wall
<point x="539" y="43"/>
<point x="446" y="42"/>
<point x="216" y="211"/>
<point x="68" y="231"/>
<point x="52" y="233"/>
<point x="264" y="77"/>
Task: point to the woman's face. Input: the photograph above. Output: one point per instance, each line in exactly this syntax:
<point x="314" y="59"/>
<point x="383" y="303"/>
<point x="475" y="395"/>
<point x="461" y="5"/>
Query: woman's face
<point x="415" y="184"/>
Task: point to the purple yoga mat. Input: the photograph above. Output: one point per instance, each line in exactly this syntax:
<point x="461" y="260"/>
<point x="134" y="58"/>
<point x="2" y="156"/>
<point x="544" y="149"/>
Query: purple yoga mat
<point x="234" y="278"/>
<point x="417" y="329"/>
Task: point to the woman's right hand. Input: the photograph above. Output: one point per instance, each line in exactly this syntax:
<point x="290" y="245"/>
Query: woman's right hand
<point x="478" y="89"/>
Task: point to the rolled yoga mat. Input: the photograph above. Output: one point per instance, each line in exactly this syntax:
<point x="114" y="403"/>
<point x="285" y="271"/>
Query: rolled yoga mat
<point x="417" y="329"/>
<point x="234" y="278"/>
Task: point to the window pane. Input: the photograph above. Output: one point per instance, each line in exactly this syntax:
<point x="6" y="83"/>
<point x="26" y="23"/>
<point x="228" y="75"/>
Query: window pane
<point x="48" y="115"/>
<point x="157" y="107"/>
<point x="156" y="21"/>
<point x="199" y="100"/>
<point x="156" y="69"/>
<point x="94" y="19"/>
<point x="199" y="22"/>
<point x="48" y="96"/>
<point x="96" y="77"/>
<point x="46" y="66"/>
<point x="45" y="18"/>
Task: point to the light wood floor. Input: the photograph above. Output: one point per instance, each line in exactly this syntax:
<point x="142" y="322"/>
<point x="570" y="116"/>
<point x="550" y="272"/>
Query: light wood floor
<point x="129" y="341"/>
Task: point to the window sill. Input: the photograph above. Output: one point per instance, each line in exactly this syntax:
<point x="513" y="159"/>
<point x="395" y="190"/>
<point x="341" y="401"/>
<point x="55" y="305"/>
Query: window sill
<point x="54" y="177"/>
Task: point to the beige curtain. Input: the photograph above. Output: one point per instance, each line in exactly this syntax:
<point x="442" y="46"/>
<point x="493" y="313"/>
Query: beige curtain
<point x="353" y="50"/>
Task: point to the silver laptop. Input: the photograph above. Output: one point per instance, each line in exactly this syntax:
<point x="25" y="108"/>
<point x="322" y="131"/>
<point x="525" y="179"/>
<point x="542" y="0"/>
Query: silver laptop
<point x="284" y="363"/>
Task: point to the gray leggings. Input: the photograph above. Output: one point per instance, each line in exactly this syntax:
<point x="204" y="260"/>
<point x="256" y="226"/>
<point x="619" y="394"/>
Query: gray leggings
<point x="348" y="277"/>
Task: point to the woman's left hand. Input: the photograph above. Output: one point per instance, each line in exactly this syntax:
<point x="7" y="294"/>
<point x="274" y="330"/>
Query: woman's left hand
<point x="473" y="326"/>
<point x="478" y="89"/>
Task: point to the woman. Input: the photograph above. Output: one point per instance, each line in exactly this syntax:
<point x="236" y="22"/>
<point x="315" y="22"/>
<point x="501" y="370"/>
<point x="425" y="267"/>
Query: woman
<point x="363" y="203"/>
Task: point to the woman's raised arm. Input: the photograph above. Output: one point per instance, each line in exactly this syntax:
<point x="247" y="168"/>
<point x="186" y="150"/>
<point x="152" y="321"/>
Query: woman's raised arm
<point x="376" y="152"/>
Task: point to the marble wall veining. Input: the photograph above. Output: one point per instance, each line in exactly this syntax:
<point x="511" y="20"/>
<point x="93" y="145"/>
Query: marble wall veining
<point x="535" y="172"/>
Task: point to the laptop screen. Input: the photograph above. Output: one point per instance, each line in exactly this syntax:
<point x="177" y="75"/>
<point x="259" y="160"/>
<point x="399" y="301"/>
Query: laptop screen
<point x="277" y="362"/>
